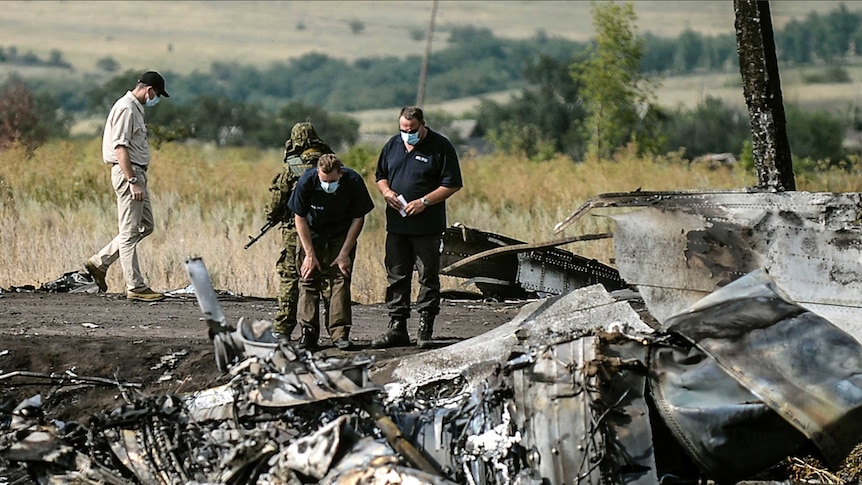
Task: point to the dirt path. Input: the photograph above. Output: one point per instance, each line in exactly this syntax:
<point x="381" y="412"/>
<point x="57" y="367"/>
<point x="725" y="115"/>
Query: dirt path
<point x="163" y="346"/>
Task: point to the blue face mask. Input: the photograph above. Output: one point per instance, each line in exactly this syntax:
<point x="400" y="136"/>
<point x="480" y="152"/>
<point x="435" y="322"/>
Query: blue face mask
<point x="329" y="187"/>
<point x="154" y="101"/>
<point x="410" y="138"/>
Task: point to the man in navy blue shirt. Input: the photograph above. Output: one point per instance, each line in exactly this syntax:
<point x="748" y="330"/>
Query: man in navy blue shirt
<point x="329" y="205"/>
<point x="416" y="172"/>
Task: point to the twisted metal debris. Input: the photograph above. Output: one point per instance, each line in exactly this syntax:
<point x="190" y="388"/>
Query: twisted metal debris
<point x="586" y="387"/>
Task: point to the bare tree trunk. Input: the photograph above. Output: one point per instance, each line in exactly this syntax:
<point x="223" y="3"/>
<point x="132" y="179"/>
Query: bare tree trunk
<point x="762" y="88"/>
<point x="423" y="76"/>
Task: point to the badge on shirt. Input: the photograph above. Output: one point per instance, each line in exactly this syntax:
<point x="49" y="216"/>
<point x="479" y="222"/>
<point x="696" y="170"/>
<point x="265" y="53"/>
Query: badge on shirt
<point x="421" y="158"/>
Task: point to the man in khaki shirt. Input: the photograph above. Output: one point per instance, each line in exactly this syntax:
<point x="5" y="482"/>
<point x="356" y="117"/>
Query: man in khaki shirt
<point x="125" y="149"/>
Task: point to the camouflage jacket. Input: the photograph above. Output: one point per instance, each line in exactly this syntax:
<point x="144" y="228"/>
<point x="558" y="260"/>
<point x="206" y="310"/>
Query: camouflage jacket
<point x="296" y="161"/>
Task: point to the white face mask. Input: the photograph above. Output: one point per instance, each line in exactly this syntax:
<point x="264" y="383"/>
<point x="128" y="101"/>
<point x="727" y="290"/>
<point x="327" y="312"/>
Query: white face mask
<point x="154" y="101"/>
<point x="410" y="138"/>
<point x="329" y="187"/>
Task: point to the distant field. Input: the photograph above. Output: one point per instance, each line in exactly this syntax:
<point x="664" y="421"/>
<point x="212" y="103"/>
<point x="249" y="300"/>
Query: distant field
<point x="184" y="36"/>
<point x="688" y="91"/>
<point x="190" y="35"/>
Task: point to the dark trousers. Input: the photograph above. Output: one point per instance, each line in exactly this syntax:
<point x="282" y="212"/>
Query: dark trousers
<point x="403" y="253"/>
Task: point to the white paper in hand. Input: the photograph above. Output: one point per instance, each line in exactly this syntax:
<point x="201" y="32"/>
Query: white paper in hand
<point x="404" y="204"/>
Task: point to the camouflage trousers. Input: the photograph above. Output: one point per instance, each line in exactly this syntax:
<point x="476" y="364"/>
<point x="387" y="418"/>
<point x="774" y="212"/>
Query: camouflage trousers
<point x="288" y="287"/>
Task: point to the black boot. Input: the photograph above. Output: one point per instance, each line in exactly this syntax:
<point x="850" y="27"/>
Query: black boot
<point x="308" y="340"/>
<point x="426" y="328"/>
<point x="396" y="336"/>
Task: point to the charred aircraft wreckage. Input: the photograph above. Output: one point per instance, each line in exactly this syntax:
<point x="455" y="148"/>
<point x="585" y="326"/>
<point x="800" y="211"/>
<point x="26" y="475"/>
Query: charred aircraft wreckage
<point x="727" y="341"/>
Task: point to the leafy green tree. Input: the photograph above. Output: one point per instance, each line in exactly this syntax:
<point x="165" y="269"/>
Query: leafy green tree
<point x="616" y="94"/>
<point x="659" y="54"/>
<point x="523" y="140"/>
<point x="712" y="127"/>
<point x="56" y="59"/>
<point x="108" y="64"/>
<point x="362" y="158"/>
<point x="101" y="98"/>
<point x="549" y="111"/>
<point x="211" y="118"/>
<point x="338" y="131"/>
<point x="815" y="134"/>
<point x="357" y="26"/>
<point x="689" y="52"/>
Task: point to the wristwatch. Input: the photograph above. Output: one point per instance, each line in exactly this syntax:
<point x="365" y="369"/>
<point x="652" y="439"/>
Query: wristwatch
<point x="133" y="180"/>
<point x="425" y="201"/>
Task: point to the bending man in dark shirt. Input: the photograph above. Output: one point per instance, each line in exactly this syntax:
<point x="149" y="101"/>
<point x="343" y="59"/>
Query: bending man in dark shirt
<point x="329" y="205"/>
<point x="416" y="172"/>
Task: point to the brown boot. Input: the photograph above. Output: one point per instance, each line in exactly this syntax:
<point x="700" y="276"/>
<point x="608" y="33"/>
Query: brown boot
<point x="97" y="274"/>
<point x="396" y="336"/>
<point x="426" y="328"/>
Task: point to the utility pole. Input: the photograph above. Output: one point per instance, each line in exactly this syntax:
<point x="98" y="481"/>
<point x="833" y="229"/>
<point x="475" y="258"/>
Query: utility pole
<point x="423" y="75"/>
<point x="761" y="85"/>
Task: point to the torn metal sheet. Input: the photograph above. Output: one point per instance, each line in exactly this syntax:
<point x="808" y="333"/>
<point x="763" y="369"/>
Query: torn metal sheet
<point x="71" y="282"/>
<point x="553" y="403"/>
<point x="542" y="322"/>
<point x="503" y="267"/>
<point x="314" y="454"/>
<point x="677" y="247"/>
<point x="284" y="389"/>
<point x="583" y="412"/>
<point x="727" y="430"/>
<point x="492" y="277"/>
<point x="797" y="362"/>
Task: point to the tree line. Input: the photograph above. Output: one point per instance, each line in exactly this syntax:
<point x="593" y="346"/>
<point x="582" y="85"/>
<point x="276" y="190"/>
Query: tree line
<point x="246" y="105"/>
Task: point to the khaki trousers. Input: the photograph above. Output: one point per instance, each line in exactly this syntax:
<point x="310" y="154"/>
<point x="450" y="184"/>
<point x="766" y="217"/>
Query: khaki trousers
<point x="134" y="222"/>
<point x="331" y="283"/>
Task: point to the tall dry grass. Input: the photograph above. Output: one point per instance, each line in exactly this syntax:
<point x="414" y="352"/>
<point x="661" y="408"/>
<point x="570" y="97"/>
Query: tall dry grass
<point x="57" y="208"/>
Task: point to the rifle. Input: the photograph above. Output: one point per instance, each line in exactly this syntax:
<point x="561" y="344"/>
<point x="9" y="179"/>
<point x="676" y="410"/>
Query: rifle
<point x="263" y="230"/>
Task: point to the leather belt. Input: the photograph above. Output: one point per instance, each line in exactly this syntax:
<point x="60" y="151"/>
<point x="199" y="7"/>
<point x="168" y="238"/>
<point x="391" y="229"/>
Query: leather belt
<point x="142" y="167"/>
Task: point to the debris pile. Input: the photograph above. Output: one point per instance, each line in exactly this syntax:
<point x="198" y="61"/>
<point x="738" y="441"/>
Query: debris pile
<point x="576" y="388"/>
<point x="589" y="386"/>
<point x="70" y="282"/>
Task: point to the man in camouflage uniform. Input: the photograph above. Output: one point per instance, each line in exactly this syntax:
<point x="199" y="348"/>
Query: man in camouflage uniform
<point x="301" y="152"/>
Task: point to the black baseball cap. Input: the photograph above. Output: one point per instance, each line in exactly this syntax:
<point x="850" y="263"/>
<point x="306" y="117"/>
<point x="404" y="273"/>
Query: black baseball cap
<point x="154" y="79"/>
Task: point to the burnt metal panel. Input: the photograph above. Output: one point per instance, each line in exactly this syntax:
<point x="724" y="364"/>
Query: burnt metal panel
<point x="514" y="273"/>
<point x="556" y="414"/>
<point x="541" y="323"/>
<point x="555" y="272"/>
<point x="498" y="274"/>
<point x="677" y="247"/>
<point x="583" y="424"/>
<point x="803" y="367"/>
<point x="627" y="416"/>
<point x="729" y="432"/>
